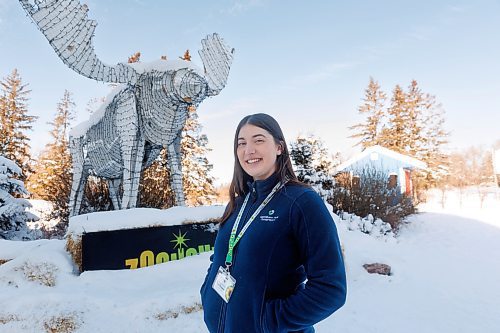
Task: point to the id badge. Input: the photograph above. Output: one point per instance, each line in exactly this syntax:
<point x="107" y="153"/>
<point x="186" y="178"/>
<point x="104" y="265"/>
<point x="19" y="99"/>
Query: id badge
<point x="224" y="284"/>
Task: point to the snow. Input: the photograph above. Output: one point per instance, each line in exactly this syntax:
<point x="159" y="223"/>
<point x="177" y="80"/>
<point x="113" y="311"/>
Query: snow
<point x="467" y="203"/>
<point x="13" y="214"/>
<point x="141" y="218"/>
<point x="445" y="264"/>
<point x="6" y="164"/>
<point x="80" y="129"/>
<point x="42" y="209"/>
<point x="164" y="65"/>
<point x="384" y="151"/>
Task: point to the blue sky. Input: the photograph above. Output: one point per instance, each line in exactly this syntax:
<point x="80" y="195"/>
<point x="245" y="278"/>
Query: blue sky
<point x="307" y="63"/>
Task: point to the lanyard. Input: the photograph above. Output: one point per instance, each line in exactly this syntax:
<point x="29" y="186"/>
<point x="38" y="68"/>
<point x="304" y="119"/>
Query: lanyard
<point x="233" y="240"/>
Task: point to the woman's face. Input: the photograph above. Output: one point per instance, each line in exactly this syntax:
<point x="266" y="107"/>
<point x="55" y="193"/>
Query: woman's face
<point x="257" y="151"/>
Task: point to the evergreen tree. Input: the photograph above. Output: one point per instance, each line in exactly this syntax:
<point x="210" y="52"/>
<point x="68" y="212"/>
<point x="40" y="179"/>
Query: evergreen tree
<point x="154" y="187"/>
<point x="51" y="180"/>
<point x="373" y="109"/>
<point x="413" y="124"/>
<point x="434" y="141"/>
<point x="393" y="135"/>
<point x="13" y="214"/>
<point x="96" y="196"/>
<point x="15" y="121"/>
<point x="312" y="164"/>
<point x="197" y="181"/>
<point x="416" y="105"/>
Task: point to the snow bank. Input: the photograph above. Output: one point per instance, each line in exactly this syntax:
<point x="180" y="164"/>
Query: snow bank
<point x="368" y="225"/>
<point x="142" y="218"/>
<point x="480" y="203"/>
<point x="445" y="279"/>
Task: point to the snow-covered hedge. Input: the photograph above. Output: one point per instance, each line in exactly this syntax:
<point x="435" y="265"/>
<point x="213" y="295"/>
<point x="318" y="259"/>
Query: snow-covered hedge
<point x="367" y="225"/>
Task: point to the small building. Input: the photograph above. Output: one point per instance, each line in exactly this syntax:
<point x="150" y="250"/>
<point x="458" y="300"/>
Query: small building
<point x="396" y="167"/>
<point x="496" y="166"/>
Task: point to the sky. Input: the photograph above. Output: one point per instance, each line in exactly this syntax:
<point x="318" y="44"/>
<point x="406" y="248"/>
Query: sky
<point x="306" y="63"/>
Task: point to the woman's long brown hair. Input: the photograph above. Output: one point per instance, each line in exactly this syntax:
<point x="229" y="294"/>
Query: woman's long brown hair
<point x="239" y="187"/>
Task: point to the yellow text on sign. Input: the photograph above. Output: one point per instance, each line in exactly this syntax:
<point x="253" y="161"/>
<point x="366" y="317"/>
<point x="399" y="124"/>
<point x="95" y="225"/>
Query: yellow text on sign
<point x="148" y="258"/>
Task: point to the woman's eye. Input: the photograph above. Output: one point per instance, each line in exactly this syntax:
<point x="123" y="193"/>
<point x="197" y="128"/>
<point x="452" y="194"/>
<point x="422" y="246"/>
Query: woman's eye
<point x="259" y="141"/>
<point x="241" y="144"/>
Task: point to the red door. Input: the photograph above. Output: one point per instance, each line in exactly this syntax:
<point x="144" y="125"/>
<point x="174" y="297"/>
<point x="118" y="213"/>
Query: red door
<point x="408" y="184"/>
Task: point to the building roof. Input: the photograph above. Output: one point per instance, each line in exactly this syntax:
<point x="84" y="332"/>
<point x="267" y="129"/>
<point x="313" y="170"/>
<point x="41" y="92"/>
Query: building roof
<point x="383" y="151"/>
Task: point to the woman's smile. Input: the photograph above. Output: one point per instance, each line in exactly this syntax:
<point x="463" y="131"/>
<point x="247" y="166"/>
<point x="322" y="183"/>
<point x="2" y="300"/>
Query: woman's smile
<point x="253" y="161"/>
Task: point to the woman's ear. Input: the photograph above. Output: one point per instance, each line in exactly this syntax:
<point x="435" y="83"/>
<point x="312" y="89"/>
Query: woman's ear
<point x="280" y="149"/>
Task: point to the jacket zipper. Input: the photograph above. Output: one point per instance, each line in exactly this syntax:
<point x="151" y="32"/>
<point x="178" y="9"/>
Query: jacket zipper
<point x="222" y="318"/>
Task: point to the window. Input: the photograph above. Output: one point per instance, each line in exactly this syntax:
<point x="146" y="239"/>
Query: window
<point x="355" y="183"/>
<point x="393" y="181"/>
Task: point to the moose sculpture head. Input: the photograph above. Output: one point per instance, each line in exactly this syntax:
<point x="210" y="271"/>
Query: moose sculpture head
<point x="146" y="112"/>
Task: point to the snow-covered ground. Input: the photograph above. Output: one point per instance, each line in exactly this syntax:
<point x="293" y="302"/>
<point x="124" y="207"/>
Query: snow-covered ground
<point x="445" y="262"/>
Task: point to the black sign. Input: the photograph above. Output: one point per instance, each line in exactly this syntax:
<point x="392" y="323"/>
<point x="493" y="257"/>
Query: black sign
<point x="136" y="248"/>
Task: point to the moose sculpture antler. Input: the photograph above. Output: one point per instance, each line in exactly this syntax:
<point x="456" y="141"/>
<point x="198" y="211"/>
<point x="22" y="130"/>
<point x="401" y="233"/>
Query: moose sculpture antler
<point x="145" y="113"/>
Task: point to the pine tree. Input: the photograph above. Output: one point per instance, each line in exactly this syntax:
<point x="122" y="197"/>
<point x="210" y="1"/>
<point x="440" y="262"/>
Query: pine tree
<point x="301" y="152"/>
<point x="373" y="109"/>
<point x="197" y="181"/>
<point x="51" y="180"/>
<point x="413" y="125"/>
<point x="312" y="164"/>
<point x="432" y="143"/>
<point x="154" y="187"/>
<point x="393" y="135"/>
<point x="416" y="104"/>
<point x="13" y="214"/>
<point x="15" y="121"/>
<point x="96" y="196"/>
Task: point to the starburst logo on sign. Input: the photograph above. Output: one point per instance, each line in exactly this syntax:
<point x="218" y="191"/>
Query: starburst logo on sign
<point x="180" y="240"/>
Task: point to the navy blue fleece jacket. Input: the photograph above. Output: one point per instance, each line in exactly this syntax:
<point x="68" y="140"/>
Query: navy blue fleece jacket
<point x="292" y="239"/>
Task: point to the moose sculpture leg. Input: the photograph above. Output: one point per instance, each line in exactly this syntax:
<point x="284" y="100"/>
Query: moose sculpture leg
<point x="113" y="185"/>
<point x="174" y="162"/>
<point x="132" y="147"/>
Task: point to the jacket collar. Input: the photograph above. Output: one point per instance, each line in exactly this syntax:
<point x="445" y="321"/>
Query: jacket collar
<point x="261" y="188"/>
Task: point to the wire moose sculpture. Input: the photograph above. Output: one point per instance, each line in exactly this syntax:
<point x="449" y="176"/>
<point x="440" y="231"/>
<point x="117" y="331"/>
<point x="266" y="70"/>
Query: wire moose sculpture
<point x="145" y="112"/>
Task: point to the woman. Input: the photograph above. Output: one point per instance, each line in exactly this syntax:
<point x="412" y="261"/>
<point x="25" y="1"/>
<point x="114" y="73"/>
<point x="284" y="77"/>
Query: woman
<point x="275" y="235"/>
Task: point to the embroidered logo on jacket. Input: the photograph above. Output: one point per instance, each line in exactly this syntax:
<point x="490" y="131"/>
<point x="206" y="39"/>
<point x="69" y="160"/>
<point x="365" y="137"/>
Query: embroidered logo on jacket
<point x="269" y="217"/>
